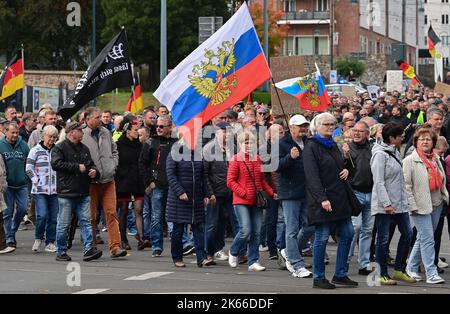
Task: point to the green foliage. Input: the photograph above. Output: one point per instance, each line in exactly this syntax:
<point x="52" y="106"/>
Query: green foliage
<point x="42" y="27"/>
<point x="347" y="65"/>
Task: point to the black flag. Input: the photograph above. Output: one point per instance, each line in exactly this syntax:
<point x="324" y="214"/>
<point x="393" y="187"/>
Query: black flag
<point x="110" y="70"/>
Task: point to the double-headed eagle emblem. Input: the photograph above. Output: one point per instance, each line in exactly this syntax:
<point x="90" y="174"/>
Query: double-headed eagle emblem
<point x="313" y="88"/>
<point x="218" y="87"/>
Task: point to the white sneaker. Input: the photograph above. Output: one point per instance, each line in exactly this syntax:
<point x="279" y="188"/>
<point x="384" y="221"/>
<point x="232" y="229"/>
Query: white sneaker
<point x="256" y="267"/>
<point x="36" y="245"/>
<point x="263" y="248"/>
<point x="413" y="275"/>
<point x="232" y="260"/>
<point x="288" y="264"/>
<point x="435" y="279"/>
<point x="221" y="256"/>
<point x="302" y="273"/>
<point x="9" y="249"/>
<point x="51" y="248"/>
<point x="442" y="264"/>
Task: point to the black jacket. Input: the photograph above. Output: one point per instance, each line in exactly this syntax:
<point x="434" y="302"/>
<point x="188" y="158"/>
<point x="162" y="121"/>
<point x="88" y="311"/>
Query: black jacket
<point x="24" y="133"/>
<point x="291" y="178"/>
<point x="128" y="177"/>
<point x="360" y="176"/>
<point x="152" y="161"/>
<point x="216" y="169"/>
<point x="322" y="166"/>
<point x="66" y="160"/>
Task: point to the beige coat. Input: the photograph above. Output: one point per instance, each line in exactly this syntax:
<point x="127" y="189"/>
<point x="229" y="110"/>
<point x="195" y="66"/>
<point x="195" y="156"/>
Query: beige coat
<point x="417" y="185"/>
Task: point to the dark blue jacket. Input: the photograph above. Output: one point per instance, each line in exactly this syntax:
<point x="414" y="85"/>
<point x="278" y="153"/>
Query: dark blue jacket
<point x="291" y="179"/>
<point x="186" y="176"/>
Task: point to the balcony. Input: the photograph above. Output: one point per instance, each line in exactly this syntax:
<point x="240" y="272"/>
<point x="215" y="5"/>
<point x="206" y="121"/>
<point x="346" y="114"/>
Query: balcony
<point x="313" y="17"/>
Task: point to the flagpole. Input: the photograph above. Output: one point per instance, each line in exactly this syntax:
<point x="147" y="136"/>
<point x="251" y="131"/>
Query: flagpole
<point x="132" y="88"/>
<point x="279" y="99"/>
<point x="23" y="75"/>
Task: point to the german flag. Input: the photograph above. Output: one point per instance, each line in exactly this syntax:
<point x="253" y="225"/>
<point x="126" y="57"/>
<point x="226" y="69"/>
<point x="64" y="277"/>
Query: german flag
<point x="12" y="78"/>
<point x="407" y="69"/>
<point x="135" y="103"/>
<point x="433" y="40"/>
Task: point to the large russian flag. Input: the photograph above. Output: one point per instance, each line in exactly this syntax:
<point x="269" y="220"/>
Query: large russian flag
<point x="311" y="93"/>
<point x="219" y="73"/>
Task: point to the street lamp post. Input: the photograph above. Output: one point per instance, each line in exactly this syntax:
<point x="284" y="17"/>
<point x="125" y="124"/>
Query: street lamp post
<point x="163" y="56"/>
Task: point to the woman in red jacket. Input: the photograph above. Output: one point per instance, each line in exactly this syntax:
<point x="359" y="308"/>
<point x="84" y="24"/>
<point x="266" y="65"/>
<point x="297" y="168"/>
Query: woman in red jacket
<point x="245" y="178"/>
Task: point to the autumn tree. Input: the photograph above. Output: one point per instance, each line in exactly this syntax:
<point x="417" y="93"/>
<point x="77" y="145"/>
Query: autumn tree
<point x="276" y="32"/>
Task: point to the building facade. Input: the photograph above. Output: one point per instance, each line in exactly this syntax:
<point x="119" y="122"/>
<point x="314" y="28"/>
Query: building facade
<point x="436" y="14"/>
<point x="361" y="27"/>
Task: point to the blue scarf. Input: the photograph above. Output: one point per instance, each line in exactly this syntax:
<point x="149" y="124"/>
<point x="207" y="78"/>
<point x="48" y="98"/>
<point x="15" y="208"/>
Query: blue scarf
<point x="327" y="142"/>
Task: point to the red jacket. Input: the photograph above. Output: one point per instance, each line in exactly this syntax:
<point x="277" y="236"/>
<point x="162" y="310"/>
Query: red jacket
<point x="242" y="184"/>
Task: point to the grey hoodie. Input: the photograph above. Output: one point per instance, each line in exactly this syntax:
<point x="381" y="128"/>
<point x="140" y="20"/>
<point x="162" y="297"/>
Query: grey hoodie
<point x="389" y="187"/>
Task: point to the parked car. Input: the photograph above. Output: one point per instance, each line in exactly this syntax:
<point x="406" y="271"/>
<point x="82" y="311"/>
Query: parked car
<point x="331" y="88"/>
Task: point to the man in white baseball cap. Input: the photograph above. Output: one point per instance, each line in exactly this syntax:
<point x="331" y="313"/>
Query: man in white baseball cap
<point x="292" y="194"/>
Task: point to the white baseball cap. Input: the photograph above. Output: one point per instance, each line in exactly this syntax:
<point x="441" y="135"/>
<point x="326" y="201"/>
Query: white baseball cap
<point x="298" y="119"/>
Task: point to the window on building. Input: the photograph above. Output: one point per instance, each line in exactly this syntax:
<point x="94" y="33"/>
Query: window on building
<point x="446" y="62"/>
<point x="289" y="46"/>
<point x="321" y="45"/>
<point x="426" y="41"/>
<point x="305" y="46"/>
<point x="363" y="44"/>
<point x="443" y="1"/>
<point x="444" y="18"/>
<point x="382" y="48"/>
<point x="378" y="47"/>
<point x="322" y="5"/>
<point x="426" y="19"/>
<point x="289" y="6"/>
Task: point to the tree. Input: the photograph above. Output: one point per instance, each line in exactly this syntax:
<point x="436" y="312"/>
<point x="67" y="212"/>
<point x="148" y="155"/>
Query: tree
<point x="42" y="28"/>
<point x="276" y="32"/>
<point x="350" y="68"/>
<point x="142" y="21"/>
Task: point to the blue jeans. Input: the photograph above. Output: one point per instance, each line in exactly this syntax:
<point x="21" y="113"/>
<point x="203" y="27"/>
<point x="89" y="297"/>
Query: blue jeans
<point x="198" y="229"/>
<point x="281" y="229"/>
<point x="298" y="230"/>
<point x="346" y="233"/>
<point x="147" y="216"/>
<point x="269" y="228"/>
<point x="47" y="209"/>
<point x="186" y="240"/>
<point x="250" y="221"/>
<point x="131" y="219"/>
<point x="158" y="204"/>
<point x="363" y="225"/>
<point x="423" y="249"/>
<point x="383" y="222"/>
<point x="11" y="220"/>
<point x="215" y="225"/>
<point x="79" y="205"/>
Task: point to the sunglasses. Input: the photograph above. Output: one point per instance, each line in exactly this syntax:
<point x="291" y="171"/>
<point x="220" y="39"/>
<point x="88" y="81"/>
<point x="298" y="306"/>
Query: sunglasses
<point x="161" y="126"/>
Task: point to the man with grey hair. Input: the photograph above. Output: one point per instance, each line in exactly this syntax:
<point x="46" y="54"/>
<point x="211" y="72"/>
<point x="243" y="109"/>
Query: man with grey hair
<point x="357" y="157"/>
<point x="15" y="152"/>
<point x="435" y="120"/>
<point x="50" y="118"/>
<point x="104" y="153"/>
<point x="152" y="166"/>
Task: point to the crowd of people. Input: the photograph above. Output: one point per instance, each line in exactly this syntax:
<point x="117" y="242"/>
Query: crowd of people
<point x="278" y="184"/>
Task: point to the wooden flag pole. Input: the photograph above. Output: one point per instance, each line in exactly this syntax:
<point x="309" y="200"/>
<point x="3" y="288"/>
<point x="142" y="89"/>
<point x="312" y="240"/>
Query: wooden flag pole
<point x="279" y="99"/>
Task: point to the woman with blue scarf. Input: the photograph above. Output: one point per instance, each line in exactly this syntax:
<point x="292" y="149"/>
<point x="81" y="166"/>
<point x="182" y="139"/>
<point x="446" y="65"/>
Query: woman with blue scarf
<point x="328" y="200"/>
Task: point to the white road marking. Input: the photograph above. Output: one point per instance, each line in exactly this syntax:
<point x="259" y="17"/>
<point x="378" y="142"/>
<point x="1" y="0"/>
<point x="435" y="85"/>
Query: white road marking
<point x="149" y="275"/>
<point x="91" y="291"/>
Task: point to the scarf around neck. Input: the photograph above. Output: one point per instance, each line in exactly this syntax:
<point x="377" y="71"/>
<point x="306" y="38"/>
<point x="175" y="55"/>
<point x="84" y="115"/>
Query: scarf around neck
<point x="434" y="176"/>
<point x="326" y="142"/>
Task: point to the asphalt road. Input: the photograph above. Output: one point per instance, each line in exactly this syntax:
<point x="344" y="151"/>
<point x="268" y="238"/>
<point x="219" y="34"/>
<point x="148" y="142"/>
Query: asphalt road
<point x="39" y="273"/>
